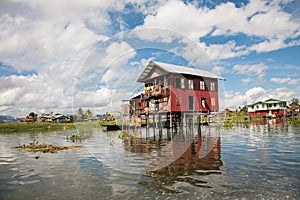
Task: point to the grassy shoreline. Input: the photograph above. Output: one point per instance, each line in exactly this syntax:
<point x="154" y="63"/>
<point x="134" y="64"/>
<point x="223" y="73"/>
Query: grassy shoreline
<point x="23" y="127"/>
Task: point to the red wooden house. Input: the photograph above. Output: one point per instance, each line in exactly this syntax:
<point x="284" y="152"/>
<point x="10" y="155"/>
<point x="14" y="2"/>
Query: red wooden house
<point x="270" y="108"/>
<point x="175" y="89"/>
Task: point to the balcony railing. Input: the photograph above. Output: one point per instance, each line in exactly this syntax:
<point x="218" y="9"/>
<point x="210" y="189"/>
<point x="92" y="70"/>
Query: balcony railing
<point x="157" y="91"/>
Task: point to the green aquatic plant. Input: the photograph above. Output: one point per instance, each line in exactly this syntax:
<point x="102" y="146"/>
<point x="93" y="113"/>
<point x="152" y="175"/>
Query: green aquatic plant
<point x="228" y="124"/>
<point x="76" y="138"/>
<point x="295" y="121"/>
<point x="45" y="148"/>
<point x="124" y="135"/>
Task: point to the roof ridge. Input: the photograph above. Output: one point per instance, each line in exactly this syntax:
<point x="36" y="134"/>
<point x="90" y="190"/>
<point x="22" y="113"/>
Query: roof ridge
<point x="174" y="68"/>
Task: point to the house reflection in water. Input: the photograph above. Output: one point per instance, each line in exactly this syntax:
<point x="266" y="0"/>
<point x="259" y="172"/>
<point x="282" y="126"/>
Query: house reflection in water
<point x="269" y="125"/>
<point x="199" y="158"/>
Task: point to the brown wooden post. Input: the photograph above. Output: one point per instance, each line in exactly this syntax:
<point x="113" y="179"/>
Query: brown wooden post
<point x="199" y="125"/>
<point x="160" y="124"/>
<point x="153" y="123"/>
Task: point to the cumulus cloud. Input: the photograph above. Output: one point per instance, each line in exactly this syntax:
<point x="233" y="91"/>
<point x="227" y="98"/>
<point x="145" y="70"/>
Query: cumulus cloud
<point x="252" y="70"/>
<point x="235" y="99"/>
<point x="31" y="43"/>
<point x="224" y="51"/>
<point x="257" y="18"/>
<point x="75" y="64"/>
<point x="51" y="89"/>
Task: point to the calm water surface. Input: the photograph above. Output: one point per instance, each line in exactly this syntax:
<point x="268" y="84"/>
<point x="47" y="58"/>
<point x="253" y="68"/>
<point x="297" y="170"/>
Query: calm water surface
<point x="260" y="162"/>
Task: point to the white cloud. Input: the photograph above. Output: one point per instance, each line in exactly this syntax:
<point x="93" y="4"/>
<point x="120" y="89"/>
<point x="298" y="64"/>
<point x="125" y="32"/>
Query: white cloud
<point x="53" y="41"/>
<point x="54" y="37"/>
<point x="289" y="81"/>
<point x="255" y="93"/>
<point x="246" y="80"/>
<point x="282" y="93"/>
<point x="198" y="22"/>
<point x="272" y="44"/>
<point x="252" y="70"/>
<point x="219" y="70"/>
<point x="106" y="63"/>
<point x="54" y="31"/>
<point x="49" y="90"/>
<point x="257" y="18"/>
<point x="235" y="99"/>
<point x="224" y="51"/>
<point x="262" y="19"/>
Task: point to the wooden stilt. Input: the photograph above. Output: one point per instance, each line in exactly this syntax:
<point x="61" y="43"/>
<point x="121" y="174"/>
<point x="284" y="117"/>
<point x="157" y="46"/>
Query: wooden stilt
<point x="171" y="120"/>
<point x="199" y="125"/>
<point x="160" y="124"/>
<point x="153" y="124"/>
<point x="175" y="123"/>
<point x="147" y="126"/>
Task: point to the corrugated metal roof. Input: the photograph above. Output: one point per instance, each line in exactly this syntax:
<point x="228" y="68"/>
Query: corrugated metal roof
<point x="259" y="102"/>
<point x="269" y="101"/>
<point x="273" y="101"/>
<point x="171" y="68"/>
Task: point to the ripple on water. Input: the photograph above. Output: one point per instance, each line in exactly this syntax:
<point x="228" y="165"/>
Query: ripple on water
<point x="24" y="182"/>
<point x="245" y="165"/>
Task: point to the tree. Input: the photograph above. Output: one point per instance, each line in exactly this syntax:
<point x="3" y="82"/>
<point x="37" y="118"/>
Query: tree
<point x="294" y="105"/>
<point x="32" y="116"/>
<point x="88" y="114"/>
<point x="42" y="117"/>
<point x="80" y="114"/>
<point x="71" y="118"/>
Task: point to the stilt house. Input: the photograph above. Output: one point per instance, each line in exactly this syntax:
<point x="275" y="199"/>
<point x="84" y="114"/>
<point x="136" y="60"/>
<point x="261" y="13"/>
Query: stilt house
<point x="172" y="89"/>
<point x="271" y="108"/>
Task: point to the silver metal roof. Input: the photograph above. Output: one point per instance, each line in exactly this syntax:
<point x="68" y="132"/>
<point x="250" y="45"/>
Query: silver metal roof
<point x="171" y="68"/>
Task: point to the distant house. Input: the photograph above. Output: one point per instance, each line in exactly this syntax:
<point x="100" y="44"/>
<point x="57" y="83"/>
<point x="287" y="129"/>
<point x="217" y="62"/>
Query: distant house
<point x="269" y="108"/>
<point x="56" y="118"/>
<point x="47" y="117"/>
<point x="60" y="118"/>
<point x="172" y="88"/>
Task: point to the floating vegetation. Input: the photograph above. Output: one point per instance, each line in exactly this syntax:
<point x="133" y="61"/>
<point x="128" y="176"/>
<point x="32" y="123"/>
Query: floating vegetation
<point x="45" y="148"/>
<point x="228" y="124"/>
<point x="295" y="121"/>
<point x="76" y="138"/>
<point x="124" y="135"/>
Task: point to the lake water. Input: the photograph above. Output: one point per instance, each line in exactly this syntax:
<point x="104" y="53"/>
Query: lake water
<point x="258" y="162"/>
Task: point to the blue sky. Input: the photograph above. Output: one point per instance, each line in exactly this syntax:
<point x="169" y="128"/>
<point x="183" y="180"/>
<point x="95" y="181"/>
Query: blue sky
<point x="62" y="55"/>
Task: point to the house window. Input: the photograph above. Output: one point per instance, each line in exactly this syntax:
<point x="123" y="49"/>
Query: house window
<point x="212" y="86"/>
<point x="203" y="102"/>
<point x="213" y="102"/>
<point x="191" y="84"/>
<point x="165" y="81"/>
<point x="182" y="85"/>
<point x="202" y="86"/>
<point x="179" y="83"/>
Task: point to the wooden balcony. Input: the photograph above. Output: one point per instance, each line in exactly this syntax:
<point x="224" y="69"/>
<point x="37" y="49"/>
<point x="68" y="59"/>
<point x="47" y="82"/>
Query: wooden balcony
<point x="158" y="91"/>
